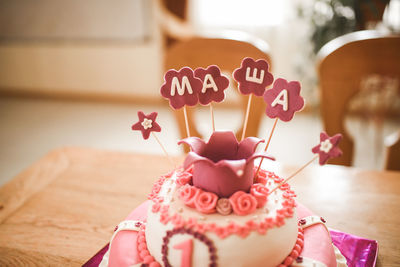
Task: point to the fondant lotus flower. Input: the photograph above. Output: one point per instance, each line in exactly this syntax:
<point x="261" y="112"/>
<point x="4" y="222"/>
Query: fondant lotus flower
<point x="283" y="99"/>
<point x="214" y="84"/>
<point x="253" y="76"/>
<point x="223" y="165"/>
<point x="181" y="87"/>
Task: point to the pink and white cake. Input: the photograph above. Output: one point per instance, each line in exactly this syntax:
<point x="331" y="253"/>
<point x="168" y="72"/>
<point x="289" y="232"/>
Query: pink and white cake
<point x="219" y="208"/>
<point x="215" y="212"/>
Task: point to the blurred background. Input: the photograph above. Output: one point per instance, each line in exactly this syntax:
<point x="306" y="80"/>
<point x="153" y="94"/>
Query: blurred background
<point x="75" y="73"/>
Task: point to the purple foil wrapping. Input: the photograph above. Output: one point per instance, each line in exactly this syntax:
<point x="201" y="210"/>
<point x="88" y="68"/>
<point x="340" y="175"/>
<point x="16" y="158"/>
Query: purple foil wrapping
<point x="96" y="259"/>
<point x="359" y="252"/>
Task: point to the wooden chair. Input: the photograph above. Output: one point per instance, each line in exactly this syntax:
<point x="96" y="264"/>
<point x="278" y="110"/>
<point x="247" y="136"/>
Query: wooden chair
<point x="182" y="47"/>
<point x="343" y="63"/>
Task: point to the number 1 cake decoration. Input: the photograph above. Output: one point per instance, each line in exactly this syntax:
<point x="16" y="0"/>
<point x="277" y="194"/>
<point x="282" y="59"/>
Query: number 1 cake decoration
<point x="218" y="208"/>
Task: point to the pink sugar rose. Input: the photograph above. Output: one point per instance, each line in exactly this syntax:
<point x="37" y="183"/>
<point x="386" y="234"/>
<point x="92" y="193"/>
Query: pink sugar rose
<point x="188" y="194"/>
<point x="205" y="202"/>
<point x="184" y="178"/>
<point x="223" y="206"/>
<point x="260" y="192"/>
<point x="243" y="203"/>
<point x="262" y="177"/>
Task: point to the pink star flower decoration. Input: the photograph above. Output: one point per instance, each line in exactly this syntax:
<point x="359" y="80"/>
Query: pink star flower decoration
<point x="181" y="88"/>
<point x="328" y="147"/>
<point x="283" y="99"/>
<point x="253" y="76"/>
<point x="147" y="124"/>
<point x="214" y="84"/>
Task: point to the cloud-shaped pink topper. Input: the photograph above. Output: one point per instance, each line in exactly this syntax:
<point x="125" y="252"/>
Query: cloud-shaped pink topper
<point x="253" y="76"/>
<point x="283" y="99"/>
<point x="214" y="84"/>
<point x="181" y="87"/>
<point x="328" y="147"/>
<point x="147" y="124"/>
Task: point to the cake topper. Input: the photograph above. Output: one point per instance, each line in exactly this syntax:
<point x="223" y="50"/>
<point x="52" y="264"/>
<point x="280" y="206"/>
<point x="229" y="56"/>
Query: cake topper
<point x="222" y="165"/>
<point x="147" y="124"/>
<point x="182" y="89"/>
<point x="282" y="100"/>
<point x="326" y="149"/>
<point x="214" y="84"/>
<point x="253" y="77"/>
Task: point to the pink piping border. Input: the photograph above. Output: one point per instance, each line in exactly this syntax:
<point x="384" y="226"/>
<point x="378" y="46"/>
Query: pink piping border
<point x="232" y="228"/>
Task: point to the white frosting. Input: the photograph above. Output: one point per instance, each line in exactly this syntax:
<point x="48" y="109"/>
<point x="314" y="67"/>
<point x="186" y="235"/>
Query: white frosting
<point x="256" y="249"/>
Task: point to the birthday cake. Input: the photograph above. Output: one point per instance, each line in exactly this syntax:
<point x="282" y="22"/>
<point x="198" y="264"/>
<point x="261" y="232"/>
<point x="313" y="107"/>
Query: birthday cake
<point x="221" y="208"/>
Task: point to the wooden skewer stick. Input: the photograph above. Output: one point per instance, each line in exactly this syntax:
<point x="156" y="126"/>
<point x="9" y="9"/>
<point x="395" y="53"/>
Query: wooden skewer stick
<point x="294" y="174"/>
<point x="212" y="117"/>
<point x="247" y="117"/>
<point x="186" y="121"/>
<point x="266" y="146"/>
<point x="163" y="148"/>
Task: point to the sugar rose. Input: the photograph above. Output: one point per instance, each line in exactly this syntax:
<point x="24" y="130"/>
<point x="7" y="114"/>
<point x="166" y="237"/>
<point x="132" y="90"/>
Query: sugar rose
<point x="223" y="206"/>
<point x="260" y="193"/>
<point x="184" y="178"/>
<point x="188" y="194"/>
<point x="243" y="203"/>
<point x="205" y="202"/>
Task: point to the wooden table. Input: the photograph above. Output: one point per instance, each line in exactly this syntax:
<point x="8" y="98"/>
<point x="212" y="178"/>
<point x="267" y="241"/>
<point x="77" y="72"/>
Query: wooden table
<point x="63" y="209"/>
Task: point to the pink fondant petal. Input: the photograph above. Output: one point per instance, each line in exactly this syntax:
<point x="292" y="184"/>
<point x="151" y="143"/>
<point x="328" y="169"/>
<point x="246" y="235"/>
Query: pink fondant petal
<point x="222" y="145"/>
<point x="196" y="144"/>
<point x="192" y="158"/>
<point x="260" y="155"/>
<point x="237" y="166"/>
<point x="247" y="147"/>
